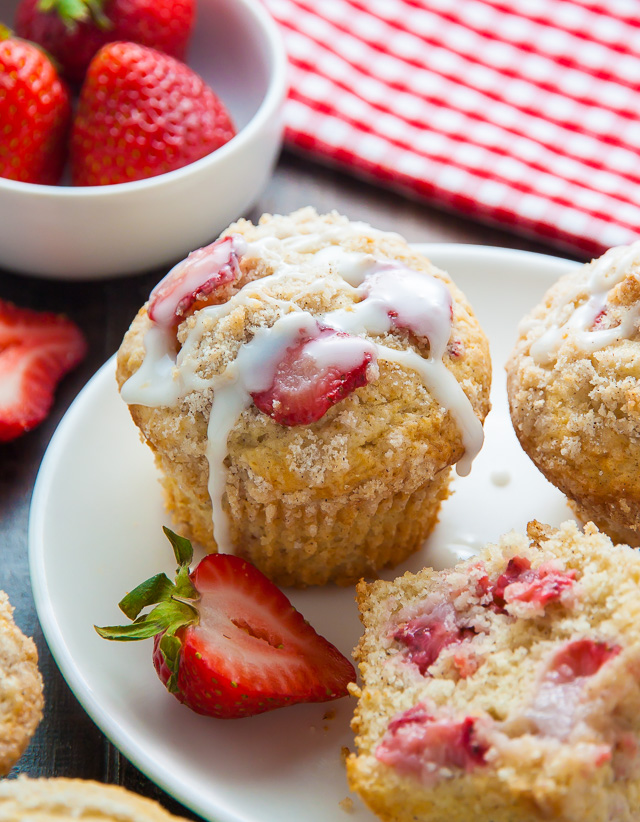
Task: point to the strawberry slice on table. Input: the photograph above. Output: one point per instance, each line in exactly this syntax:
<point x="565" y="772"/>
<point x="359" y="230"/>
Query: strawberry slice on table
<point x="142" y="113"/>
<point x="316" y="373"/>
<point x="227" y="642"/>
<point x="35" y="113"/>
<point x="72" y="31"/>
<point x="36" y="350"/>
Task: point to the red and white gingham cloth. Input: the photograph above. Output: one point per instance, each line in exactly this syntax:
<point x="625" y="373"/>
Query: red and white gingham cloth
<point x="522" y="113"/>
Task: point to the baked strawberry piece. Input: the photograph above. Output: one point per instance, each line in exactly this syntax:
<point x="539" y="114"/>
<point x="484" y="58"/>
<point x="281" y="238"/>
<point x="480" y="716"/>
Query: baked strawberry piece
<point x="305" y="384"/>
<point x="227" y="642"/>
<point x="508" y="684"/>
<point x="36" y="350"/>
<point x="72" y="32"/>
<point x="202" y="278"/>
<point x="142" y="113"/>
<point x="320" y="366"/>
<point x="35" y="113"/>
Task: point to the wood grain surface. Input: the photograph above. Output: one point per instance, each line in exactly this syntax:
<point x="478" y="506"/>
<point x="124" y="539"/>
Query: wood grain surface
<point x="67" y="742"/>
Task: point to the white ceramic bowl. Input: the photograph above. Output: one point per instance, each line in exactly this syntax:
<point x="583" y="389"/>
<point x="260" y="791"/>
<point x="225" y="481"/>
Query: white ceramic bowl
<point x="81" y="233"/>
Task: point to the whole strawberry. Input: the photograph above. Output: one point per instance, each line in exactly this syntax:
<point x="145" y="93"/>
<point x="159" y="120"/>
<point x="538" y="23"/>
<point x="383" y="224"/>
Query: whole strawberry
<point x="73" y="30"/>
<point x="34" y="113"/>
<point x="228" y="643"/>
<point x="142" y="113"/>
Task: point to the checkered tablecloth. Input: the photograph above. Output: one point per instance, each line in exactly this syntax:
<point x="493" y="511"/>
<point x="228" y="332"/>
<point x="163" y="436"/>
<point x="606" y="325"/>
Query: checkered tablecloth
<point x="521" y="113"/>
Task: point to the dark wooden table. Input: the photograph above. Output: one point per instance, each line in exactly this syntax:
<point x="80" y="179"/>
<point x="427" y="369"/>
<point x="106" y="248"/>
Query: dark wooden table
<point x="67" y="742"/>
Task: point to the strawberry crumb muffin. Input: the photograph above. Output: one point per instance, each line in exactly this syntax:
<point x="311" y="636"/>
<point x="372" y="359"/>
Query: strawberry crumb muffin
<point x="306" y="385"/>
<point x="21" y="700"/>
<point x="506" y="689"/>
<point x="574" y="395"/>
<point x="75" y="800"/>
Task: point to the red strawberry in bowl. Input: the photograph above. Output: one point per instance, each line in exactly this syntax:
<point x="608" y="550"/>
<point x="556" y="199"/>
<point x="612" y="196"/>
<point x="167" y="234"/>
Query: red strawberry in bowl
<point x="36" y="350"/>
<point x="35" y="113"/>
<point x="142" y="113"/>
<point x="72" y="31"/>
<point x="227" y="642"/>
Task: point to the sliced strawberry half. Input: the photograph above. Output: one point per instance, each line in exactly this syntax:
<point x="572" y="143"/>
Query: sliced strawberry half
<point x="194" y="279"/>
<point x="316" y="373"/>
<point x="228" y="643"/>
<point x="36" y="350"/>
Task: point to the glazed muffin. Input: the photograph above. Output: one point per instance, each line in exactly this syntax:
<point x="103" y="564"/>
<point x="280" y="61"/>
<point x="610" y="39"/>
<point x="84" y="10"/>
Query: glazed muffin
<point x="574" y="390"/>
<point x="74" y="800"/>
<point x="20" y="689"/>
<point x="505" y="689"/>
<point x="305" y="385"/>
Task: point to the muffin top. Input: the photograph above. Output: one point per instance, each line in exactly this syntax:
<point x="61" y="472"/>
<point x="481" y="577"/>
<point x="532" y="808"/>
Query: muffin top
<point x="329" y="347"/>
<point x="595" y="307"/>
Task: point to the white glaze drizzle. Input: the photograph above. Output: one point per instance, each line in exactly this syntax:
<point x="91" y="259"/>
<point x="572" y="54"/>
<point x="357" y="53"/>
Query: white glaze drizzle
<point x="346" y="353"/>
<point x="420" y="298"/>
<point x="252" y="371"/>
<point x="447" y="391"/>
<point x="424" y="305"/>
<point x="157" y="382"/>
<point x="607" y="272"/>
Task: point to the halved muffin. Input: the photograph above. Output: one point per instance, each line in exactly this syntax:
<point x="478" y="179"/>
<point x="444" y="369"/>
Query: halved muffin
<point x="506" y="688"/>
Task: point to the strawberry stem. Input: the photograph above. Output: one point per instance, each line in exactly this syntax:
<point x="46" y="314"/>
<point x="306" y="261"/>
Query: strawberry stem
<point x="170" y="647"/>
<point x="157" y="589"/>
<point x="72" y="12"/>
<point x="175" y="608"/>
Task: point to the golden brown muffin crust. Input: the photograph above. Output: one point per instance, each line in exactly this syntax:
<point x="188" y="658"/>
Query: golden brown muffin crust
<point x="75" y="800"/>
<point x="21" y="699"/>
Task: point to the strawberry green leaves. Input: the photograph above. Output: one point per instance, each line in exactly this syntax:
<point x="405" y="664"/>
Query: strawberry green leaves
<point x="175" y="607"/>
<point x="227" y="642"/>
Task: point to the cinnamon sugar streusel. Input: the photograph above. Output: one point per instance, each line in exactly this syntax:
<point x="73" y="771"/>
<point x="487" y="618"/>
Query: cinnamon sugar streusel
<point x="346" y="475"/>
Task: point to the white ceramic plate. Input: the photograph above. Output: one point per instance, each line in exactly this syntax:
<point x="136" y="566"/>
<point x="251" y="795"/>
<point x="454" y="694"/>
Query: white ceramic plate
<point x="95" y="532"/>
